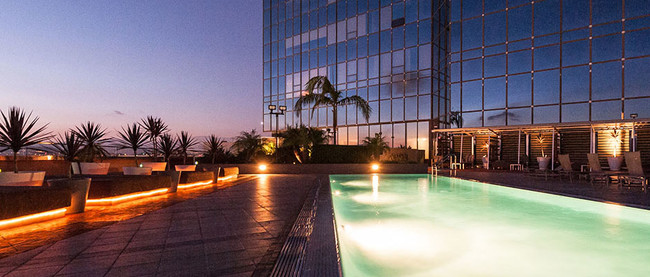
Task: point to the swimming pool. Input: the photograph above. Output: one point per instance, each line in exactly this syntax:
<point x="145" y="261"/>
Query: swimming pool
<point x="420" y="225"/>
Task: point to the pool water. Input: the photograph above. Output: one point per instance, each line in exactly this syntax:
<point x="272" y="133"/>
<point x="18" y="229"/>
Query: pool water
<point x="421" y="225"/>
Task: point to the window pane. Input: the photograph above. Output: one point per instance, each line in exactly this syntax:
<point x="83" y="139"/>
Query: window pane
<point x="637" y="77"/>
<point x="638" y="106"/>
<point x="495" y="93"/>
<point x="398" y="109"/>
<point x="547" y="87"/>
<point x="575" y="112"/>
<point x="636" y="7"/>
<point x="546" y="114"/>
<point x="605" y="11"/>
<point x="547" y="16"/>
<point x="519" y="90"/>
<point x="494" y="28"/>
<point x="411" y="59"/>
<point x="472" y="119"/>
<point x="575" y="14"/>
<point x="424" y="107"/>
<point x="411" y="108"/>
<point x="547" y="57"/>
<point x="495" y="118"/>
<point x="471" y="33"/>
<point x="472" y="96"/>
<point x="495" y="66"/>
<point x="606" y="81"/>
<point x="606" y="48"/>
<point x="425" y="56"/>
<point x="575" y="53"/>
<point x="519" y="22"/>
<point x="519" y="116"/>
<point x="606" y="110"/>
<point x="575" y="84"/>
<point x="519" y="62"/>
<point x="472" y="69"/>
<point x="637" y="43"/>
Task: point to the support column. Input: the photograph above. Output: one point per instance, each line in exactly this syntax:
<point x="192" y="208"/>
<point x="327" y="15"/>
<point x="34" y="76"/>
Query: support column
<point x="553" y="150"/>
<point x="519" y="147"/>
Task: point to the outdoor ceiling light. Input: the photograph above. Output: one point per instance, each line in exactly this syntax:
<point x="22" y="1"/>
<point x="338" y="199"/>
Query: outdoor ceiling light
<point x="272" y="107"/>
<point x="283" y="108"/>
<point x="634" y="115"/>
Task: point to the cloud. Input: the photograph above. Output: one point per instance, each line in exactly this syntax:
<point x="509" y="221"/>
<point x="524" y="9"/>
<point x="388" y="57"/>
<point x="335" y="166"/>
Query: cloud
<point x="118" y="112"/>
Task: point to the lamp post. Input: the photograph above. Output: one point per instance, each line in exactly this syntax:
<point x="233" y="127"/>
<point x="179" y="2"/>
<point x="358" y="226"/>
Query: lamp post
<point x="277" y="114"/>
<point x="633" y="116"/>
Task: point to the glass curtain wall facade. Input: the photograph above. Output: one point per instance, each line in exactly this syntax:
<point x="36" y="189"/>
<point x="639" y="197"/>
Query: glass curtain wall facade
<point x="393" y="53"/>
<point x="520" y="62"/>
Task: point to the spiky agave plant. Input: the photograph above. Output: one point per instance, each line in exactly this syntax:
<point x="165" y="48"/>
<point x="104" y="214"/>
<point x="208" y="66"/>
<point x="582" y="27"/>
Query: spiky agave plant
<point x="68" y="146"/>
<point x="212" y="146"/>
<point x="132" y="138"/>
<point x="93" y="137"/>
<point x="185" y="144"/>
<point x="18" y="130"/>
<point x="167" y="147"/>
<point x="154" y="127"/>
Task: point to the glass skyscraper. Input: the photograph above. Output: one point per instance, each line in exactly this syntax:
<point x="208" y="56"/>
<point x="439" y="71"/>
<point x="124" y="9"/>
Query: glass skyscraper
<point x="498" y="62"/>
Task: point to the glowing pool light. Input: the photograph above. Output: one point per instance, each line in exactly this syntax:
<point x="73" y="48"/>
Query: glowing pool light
<point x="262" y="167"/>
<point x="374" y="167"/>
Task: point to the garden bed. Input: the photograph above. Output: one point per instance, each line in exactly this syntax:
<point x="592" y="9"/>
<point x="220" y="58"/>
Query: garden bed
<point x="21" y="201"/>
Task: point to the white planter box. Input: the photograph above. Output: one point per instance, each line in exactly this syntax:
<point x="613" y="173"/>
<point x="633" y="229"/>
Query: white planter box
<point x="91" y="168"/>
<point x="186" y="167"/>
<point x="543" y="162"/>
<point x="155" y="166"/>
<point x="22" y="178"/>
<point x="615" y="163"/>
<point x="134" y="170"/>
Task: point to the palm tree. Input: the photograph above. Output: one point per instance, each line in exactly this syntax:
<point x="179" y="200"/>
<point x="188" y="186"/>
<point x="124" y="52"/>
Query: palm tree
<point x="167" y="147"/>
<point x="212" y="146"/>
<point x="69" y="146"/>
<point x="185" y="143"/>
<point x="376" y="144"/>
<point x="93" y="137"/>
<point x="329" y="96"/>
<point x="301" y="140"/>
<point x="17" y="131"/>
<point x="248" y="144"/>
<point x="132" y="138"/>
<point x="456" y="118"/>
<point x="154" y="126"/>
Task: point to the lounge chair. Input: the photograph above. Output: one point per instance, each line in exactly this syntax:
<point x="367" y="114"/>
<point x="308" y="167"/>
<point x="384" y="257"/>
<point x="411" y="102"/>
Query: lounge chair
<point x="596" y="173"/>
<point x="635" y="170"/>
<point x="566" y="167"/>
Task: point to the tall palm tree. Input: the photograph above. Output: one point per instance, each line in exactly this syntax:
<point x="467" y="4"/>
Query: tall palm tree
<point x="154" y="127"/>
<point x="456" y="118"/>
<point x="94" y="137"/>
<point x="132" y="138"/>
<point x="167" y="147"/>
<point x="18" y="130"/>
<point x="329" y="96"/>
<point x="376" y="144"/>
<point x="185" y="143"/>
<point x="212" y="146"/>
<point x="248" y="144"/>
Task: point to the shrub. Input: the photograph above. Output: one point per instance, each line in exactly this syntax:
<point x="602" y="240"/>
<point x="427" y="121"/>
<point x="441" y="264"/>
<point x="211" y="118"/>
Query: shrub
<point x="340" y="154"/>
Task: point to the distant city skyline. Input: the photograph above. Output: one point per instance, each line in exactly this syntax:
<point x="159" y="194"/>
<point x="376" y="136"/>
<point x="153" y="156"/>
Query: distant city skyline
<point x="195" y="64"/>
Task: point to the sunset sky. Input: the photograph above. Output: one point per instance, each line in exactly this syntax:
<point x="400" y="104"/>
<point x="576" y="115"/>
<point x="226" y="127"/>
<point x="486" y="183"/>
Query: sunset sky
<point x="196" y="64"/>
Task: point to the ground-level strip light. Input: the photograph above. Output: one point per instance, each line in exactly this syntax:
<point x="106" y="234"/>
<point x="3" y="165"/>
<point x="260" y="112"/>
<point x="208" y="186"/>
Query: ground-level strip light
<point x="122" y="198"/>
<point x="192" y="185"/>
<point x="32" y="218"/>
<point x="228" y="177"/>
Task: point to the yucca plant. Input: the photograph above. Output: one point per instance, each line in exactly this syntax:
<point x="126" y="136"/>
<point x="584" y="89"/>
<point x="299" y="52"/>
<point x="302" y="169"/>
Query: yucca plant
<point x="134" y="138"/>
<point x="18" y="130"/>
<point x="185" y="144"/>
<point x="212" y="146"/>
<point x="155" y="127"/>
<point x="68" y="146"/>
<point x="93" y="137"/>
<point x="167" y="147"/>
<point x="540" y="140"/>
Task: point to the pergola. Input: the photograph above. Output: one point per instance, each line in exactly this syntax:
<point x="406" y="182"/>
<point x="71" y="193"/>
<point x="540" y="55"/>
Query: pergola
<point x="631" y="125"/>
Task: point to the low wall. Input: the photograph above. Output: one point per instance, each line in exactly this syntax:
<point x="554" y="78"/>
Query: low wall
<point x="109" y="186"/>
<point x="329" y="168"/>
<point x="52" y="168"/>
<point x="21" y="201"/>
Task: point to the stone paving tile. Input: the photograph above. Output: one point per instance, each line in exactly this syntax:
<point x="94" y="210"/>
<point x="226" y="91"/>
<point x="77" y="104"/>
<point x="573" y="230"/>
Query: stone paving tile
<point x="237" y="231"/>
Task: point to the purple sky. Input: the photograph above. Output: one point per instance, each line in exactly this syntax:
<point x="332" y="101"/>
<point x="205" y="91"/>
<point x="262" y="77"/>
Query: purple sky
<point x="196" y="64"/>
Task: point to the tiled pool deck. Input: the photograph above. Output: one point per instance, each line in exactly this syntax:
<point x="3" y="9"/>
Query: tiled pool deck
<point x="234" y="231"/>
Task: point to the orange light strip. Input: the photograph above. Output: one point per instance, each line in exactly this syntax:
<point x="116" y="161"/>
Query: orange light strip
<point x="32" y="218"/>
<point x="122" y="198"/>
<point x="228" y="177"/>
<point x="185" y="186"/>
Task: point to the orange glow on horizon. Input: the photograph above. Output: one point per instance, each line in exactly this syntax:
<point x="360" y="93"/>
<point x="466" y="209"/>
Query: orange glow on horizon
<point x="122" y="198"/>
<point x="32" y="218"/>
